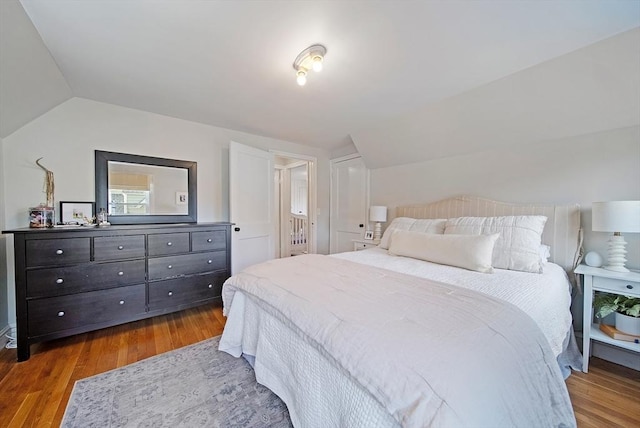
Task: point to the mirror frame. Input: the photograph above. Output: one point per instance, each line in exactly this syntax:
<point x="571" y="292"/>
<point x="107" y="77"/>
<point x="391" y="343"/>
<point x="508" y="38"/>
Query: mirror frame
<point x="102" y="159"/>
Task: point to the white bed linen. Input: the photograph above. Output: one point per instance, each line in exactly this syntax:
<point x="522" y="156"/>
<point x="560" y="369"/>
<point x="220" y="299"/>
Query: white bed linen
<point x="469" y="360"/>
<point x="545" y="297"/>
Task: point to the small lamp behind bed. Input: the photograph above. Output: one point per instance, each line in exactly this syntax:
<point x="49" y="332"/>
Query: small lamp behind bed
<point x="377" y="214"/>
<point x="616" y="217"/>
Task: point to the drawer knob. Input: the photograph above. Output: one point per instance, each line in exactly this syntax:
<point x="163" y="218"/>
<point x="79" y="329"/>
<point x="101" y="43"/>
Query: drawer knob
<point x="59" y="281"/>
<point x="58" y="252"/>
<point x="170" y="267"/>
<point x="210" y="285"/>
<point x="170" y="293"/>
<point x="120" y="247"/>
<point x="169" y="244"/>
<point x="209" y="240"/>
<point x="61" y="313"/>
<point x="122" y="302"/>
<point x="120" y="273"/>
<point x="630" y="287"/>
<point x="209" y="261"/>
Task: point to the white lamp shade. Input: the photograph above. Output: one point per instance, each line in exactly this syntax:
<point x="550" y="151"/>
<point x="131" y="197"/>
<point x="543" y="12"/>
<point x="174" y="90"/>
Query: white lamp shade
<point x="378" y="213"/>
<point x="616" y="216"/>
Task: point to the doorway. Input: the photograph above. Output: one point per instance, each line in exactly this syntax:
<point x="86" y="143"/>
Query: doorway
<point x="294" y="190"/>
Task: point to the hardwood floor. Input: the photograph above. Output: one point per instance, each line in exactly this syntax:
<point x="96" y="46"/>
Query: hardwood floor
<point x="34" y="393"/>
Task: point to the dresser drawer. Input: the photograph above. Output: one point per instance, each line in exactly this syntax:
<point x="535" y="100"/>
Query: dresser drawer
<point x="187" y="264"/>
<point x="180" y="291"/>
<point x="47" y="252"/>
<point x="61" y="313"/>
<point x="118" y="247"/>
<point x="209" y="240"/>
<point x="629" y="288"/>
<point x="86" y="277"/>
<point x="168" y="243"/>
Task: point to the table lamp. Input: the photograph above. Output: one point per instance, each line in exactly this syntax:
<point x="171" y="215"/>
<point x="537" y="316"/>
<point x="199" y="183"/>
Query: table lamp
<point x="617" y="217"/>
<point x="377" y="214"/>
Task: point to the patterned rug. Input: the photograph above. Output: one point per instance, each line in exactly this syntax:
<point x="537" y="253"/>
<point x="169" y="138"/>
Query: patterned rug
<point x="195" y="386"/>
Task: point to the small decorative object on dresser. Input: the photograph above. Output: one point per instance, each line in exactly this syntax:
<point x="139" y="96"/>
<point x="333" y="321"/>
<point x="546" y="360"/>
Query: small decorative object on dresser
<point x="615" y="284"/>
<point x="41" y="216"/>
<point x="71" y="281"/>
<point x="368" y="235"/>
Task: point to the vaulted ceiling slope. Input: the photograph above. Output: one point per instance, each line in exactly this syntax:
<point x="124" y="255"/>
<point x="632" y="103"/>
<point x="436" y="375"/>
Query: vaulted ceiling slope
<point x="229" y="63"/>
<point x="30" y="82"/>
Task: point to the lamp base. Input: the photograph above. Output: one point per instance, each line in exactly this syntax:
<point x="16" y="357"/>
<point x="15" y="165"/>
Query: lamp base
<point x="377" y="232"/>
<point x="617" y="254"/>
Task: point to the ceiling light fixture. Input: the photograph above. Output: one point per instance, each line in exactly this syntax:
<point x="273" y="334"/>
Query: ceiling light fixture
<point x="309" y="59"/>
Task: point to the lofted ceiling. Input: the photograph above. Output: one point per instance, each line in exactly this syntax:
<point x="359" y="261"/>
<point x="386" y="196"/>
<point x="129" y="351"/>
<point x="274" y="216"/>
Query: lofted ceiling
<point x="229" y="63"/>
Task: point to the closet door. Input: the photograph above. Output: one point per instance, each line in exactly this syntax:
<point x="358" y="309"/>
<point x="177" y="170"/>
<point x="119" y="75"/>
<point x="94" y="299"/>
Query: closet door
<point x="349" y="202"/>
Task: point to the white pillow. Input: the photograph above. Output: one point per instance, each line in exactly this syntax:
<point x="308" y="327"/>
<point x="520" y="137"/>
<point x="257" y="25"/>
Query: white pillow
<point x="545" y="253"/>
<point x="517" y="248"/>
<point x="416" y="225"/>
<point x="471" y="252"/>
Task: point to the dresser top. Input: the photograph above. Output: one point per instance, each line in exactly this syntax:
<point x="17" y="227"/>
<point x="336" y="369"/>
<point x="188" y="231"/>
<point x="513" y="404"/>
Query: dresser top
<point x="116" y="228"/>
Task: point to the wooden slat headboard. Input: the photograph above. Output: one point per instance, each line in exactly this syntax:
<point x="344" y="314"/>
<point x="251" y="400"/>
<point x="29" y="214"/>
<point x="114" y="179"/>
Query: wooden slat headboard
<point x="561" y="232"/>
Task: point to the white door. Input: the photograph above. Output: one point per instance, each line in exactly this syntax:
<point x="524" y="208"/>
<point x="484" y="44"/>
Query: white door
<point x="349" y="199"/>
<point x="251" y="206"/>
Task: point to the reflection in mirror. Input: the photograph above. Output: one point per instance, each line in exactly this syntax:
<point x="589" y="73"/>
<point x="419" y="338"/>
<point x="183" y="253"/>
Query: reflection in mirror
<point x="142" y="189"/>
<point x="145" y="189"/>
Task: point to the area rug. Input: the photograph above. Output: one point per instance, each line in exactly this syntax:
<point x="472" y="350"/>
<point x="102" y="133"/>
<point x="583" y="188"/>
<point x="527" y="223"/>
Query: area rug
<point x="195" y="386"/>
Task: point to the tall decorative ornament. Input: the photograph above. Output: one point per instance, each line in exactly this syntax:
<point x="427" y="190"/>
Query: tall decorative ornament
<point x="49" y="185"/>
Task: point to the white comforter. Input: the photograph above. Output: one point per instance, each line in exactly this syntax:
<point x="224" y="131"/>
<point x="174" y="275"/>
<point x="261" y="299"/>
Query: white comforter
<point x="429" y="354"/>
<point x="545" y="297"/>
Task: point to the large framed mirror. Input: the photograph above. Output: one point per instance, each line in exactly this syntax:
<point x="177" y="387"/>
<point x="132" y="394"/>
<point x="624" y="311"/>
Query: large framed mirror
<point x="138" y="189"/>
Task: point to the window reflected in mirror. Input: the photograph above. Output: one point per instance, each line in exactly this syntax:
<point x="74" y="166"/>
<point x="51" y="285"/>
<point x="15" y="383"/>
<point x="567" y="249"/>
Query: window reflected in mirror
<point x="143" y="189"/>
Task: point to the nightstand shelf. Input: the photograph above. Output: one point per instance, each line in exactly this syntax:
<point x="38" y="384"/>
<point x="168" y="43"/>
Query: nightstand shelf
<point x="602" y="280"/>
<point x="600" y="336"/>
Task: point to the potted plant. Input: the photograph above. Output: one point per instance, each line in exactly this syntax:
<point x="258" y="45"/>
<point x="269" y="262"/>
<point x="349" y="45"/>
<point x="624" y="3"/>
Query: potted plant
<point x="626" y="308"/>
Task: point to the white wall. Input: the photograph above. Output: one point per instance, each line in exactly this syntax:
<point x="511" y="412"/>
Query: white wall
<point x="67" y="136"/>
<point x="593" y="89"/>
<point x="596" y="167"/>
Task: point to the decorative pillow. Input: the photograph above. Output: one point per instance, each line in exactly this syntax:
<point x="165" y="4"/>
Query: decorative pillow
<point x="545" y="253"/>
<point x="416" y="225"/>
<point x="471" y="252"/>
<point x="517" y="248"/>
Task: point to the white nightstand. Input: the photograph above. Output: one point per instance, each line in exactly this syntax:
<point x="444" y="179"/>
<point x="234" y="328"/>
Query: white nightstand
<point x="363" y="244"/>
<point x="597" y="279"/>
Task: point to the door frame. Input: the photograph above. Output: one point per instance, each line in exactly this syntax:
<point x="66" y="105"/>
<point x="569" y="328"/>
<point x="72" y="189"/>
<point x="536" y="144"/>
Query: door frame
<point x="312" y="209"/>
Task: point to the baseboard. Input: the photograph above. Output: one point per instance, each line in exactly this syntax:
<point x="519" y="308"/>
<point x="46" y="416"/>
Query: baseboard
<point x="3" y="336"/>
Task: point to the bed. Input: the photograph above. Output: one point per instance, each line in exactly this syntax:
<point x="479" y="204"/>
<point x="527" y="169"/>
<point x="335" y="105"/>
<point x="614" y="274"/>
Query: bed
<point x="368" y="339"/>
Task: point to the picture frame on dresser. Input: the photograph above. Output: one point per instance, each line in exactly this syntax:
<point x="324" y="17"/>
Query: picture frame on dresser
<point x="76" y="212"/>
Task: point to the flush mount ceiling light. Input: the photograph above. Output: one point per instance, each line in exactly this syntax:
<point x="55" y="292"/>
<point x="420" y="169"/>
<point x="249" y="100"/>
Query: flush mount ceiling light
<point x="309" y="59"/>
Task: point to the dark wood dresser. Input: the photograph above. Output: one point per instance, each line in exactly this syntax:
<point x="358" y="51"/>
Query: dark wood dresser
<point x="71" y="281"/>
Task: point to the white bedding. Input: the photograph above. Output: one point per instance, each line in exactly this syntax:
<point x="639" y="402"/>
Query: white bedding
<point x="345" y="344"/>
<point x="544" y="297"/>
